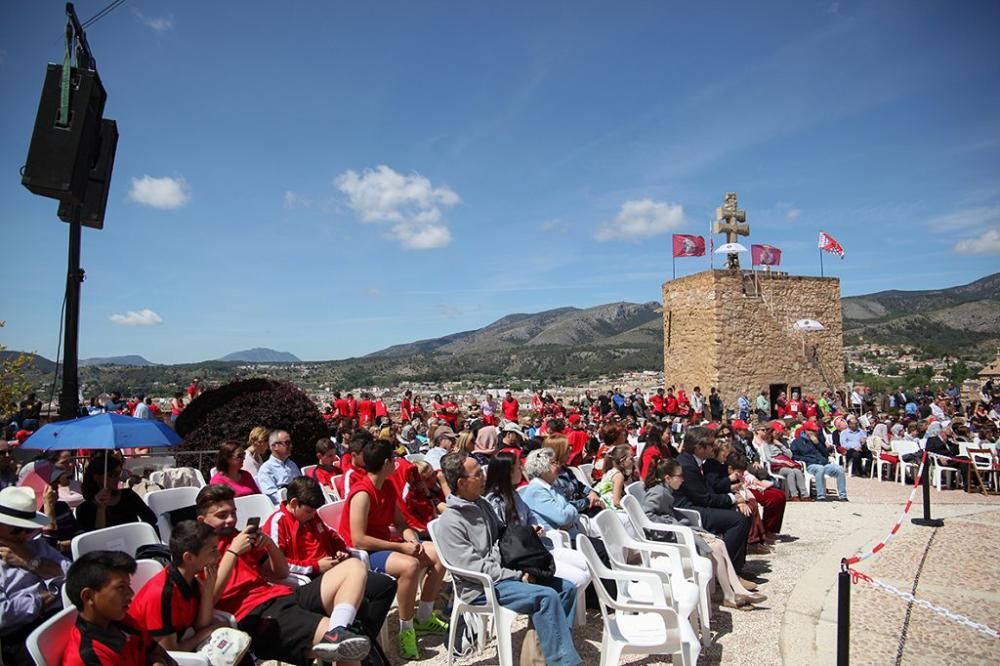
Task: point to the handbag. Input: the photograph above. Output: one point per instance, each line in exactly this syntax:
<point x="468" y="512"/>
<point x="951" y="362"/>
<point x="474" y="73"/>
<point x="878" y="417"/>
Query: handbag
<point x="225" y="646"/>
<point x="781" y="461"/>
<point x="521" y="549"/>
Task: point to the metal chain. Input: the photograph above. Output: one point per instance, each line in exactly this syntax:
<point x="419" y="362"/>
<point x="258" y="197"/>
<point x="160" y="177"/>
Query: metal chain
<point x="943" y="612"/>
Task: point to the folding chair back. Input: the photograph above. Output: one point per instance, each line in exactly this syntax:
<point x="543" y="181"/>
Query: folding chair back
<point x="126" y="538"/>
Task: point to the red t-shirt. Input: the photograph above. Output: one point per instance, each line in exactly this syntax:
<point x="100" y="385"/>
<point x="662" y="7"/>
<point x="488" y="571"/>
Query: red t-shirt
<point x="577" y="440"/>
<point x="303" y="544"/>
<point x="324" y="475"/>
<point x="166" y="604"/>
<point x="510" y="409"/>
<point x="380" y="409"/>
<point x="418" y="507"/>
<point x="366" y="412"/>
<point x="657" y="402"/>
<point x="121" y="644"/>
<point x="671" y="405"/>
<point x="343" y="409"/>
<point x="381" y="513"/>
<point x="404" y="410"/>
<point x="246" y="588"/>
<point x="794" y="407"/>
<point x="352" y="408"/>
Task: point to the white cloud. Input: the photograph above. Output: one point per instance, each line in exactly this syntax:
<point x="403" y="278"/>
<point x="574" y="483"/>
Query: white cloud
<point x="157" y="23"/>
<point x="554" y="225"/>
<point x="160" y="192"/>
<point x="642" y="219"/>
<point x="296" y="200"/>
<point x="987" y="243"/>
<point x="968" y="217"/>
<point x="141" y="318"/>
<point x="411" y="202"/>
<point x="793" y="213"/>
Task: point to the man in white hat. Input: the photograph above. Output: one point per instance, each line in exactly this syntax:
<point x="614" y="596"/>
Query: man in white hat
<point x="31" y="572"/>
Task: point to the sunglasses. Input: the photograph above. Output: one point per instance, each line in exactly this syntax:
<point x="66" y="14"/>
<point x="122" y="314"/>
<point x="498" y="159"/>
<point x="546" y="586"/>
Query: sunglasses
<point x="17" y="531"/>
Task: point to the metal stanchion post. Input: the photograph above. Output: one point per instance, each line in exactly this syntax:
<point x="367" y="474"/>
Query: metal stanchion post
<point x="843" y="616"/>
<point x="925" y="481"/>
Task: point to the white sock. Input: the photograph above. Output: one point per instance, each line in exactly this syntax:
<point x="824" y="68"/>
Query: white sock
<point x="342" y="615"/>
<point x="424" y="610"/>
<point x="405" y="624"/>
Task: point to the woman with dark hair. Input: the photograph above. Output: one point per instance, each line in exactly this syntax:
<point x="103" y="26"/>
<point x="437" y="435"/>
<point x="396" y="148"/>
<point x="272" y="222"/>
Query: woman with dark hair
<point x="105" y="504"/>
<point x="229" y="470"/>
<point x="657" y="446"/>
<point x="665" y="476"/>
<point x="502" y="479"/>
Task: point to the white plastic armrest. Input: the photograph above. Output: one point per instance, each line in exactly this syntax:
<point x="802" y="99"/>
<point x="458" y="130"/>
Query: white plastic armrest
<point x="296" y="580"/>
<point x="360" y="554"/>
<point x="560" y="538"/>
<point x="654" y="580"/>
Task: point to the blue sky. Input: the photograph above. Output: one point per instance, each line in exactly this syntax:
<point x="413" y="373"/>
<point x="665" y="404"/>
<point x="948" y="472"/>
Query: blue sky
<point x="332" y="178"/>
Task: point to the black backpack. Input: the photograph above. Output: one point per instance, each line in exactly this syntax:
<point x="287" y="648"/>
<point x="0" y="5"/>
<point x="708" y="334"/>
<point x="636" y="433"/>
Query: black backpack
<point x="521" y="549"/>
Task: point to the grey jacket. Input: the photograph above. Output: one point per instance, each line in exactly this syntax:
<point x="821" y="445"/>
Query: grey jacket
<point x="658" y="505"/>
<point x="472" y="534"/>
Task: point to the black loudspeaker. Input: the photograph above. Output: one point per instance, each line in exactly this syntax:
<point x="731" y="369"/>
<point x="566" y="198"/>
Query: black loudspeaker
<point x="99" y="182"/>
<point x="60" y="158"/>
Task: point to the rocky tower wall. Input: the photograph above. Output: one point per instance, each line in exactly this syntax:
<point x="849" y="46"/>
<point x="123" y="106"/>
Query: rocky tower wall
<point x="727" y="329"/>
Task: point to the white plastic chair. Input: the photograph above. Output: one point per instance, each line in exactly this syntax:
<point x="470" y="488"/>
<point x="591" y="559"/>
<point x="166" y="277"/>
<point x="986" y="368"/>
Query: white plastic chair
<point x="878" y="464"/>
<point x="692" y="515"/>
<point x="637" y="490"/>
<point x="138" y="465"/>
<point x="938" y="470"/>
<point x="904" y="447"/>
<point x="579" y="475"/>
<point x="157" y="477"/>
<point x="47" y="643"/>
<point x="683" y="594"/>
<point x="637" y="627"/>
<point x="308" y="470"/>
<point x="503" y="618"/>
<point x="697" y="569"/>
<point x="144" y="570"/>
<point x="126" y="538"/>
<point x="588" y="469"/>
<point x="253" y="505"/>
<point x="164" y="501"/>
<point x="415" y="457"/>
<point x="810" y="480"/>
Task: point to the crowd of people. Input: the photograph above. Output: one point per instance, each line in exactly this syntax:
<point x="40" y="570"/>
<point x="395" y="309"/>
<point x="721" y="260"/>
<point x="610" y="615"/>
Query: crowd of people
<point x="301" y="585"/>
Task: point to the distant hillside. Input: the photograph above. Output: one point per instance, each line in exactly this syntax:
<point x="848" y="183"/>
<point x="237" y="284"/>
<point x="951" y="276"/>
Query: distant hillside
<point x="39" y="364"/>
<point x="132" y="359"/>
<point x="963" y="320"/>
<point x="563" y="326"/>
<point x="261" y="355"/>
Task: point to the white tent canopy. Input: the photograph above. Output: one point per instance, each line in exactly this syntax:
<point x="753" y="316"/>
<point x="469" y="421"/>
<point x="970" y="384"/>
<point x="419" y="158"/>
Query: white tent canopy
<point x="730" y="248"/>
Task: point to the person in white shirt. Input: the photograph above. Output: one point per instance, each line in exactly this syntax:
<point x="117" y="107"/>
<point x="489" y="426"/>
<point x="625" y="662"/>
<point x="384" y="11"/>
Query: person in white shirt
<point x="278" y="470"/>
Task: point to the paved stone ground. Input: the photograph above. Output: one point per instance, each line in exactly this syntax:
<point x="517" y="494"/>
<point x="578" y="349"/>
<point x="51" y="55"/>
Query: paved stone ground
<point x="797" y="624"/>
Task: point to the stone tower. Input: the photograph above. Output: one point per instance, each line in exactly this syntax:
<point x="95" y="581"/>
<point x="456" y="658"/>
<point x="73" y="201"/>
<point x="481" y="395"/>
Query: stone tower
<point x="735" y="330"/>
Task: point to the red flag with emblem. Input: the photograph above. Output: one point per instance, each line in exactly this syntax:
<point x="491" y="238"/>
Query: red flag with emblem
<point x="765" y="255"/>
<point x="829" y="244"/>
<point x="686" y="245"/>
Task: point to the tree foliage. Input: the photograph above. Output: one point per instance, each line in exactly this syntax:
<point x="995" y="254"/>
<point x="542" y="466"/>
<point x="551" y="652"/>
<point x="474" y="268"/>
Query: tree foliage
<point x="14" y="384"/>
<point x="233" y="410"/>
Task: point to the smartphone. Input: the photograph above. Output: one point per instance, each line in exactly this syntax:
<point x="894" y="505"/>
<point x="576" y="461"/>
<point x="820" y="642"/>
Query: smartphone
<point x="253" y="523"/>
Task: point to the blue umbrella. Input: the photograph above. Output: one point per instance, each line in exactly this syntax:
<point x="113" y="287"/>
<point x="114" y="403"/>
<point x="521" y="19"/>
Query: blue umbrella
<point x="102" y="431"/>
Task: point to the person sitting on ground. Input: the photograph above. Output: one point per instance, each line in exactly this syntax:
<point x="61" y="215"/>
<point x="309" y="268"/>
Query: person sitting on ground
<point x="852" y="441"/>
<point x="279" y="469"/>
<point x="296" y="626"/>
<point x="256" y="449"/>
<point x="229" y="470"/>
<point x="175" y="600"/>
<point x="98" y="584"/>
<point x="502" y="480"/>
<point x="313" y="548"/>
<point x="371" y="509"/>
<point x="105" y="504"/>
<point x="808" y="449"/>
<point x="716" y="509"/>
<point x="444" y="440"/>
<point x="779" y="458"/>
<point x="31" y="572"/>
<point x="666" y="476"/>
<point x="471" y="532"/>
<point x="327" y="463"/>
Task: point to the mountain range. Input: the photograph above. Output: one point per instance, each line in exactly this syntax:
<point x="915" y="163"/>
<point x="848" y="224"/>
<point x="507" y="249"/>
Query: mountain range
<point x="573" y="343"/>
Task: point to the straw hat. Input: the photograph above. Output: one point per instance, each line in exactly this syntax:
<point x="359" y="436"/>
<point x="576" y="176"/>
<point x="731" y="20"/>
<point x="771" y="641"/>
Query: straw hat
<point x="17" y="508"/>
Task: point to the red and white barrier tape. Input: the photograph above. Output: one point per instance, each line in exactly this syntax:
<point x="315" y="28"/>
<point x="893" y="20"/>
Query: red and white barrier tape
<point x="923" y="603"/>
<point x="899" y="521"/>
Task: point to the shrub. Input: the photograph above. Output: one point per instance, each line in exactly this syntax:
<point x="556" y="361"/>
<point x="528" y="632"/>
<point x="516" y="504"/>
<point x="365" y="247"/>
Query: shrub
<point x="233" y="410"/>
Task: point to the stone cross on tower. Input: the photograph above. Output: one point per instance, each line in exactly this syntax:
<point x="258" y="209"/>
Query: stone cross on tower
<point x="731" y="221"/>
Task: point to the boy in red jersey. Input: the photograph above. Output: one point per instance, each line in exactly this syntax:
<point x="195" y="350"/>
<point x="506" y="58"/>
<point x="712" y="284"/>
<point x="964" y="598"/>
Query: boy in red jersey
<point x="98" y="585"/>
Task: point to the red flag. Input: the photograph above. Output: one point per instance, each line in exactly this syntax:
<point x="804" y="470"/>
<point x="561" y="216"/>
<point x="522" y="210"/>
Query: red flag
<point x="765" y="255"/>
<point x="827" y="243"/>
<point x="688" y="246"/>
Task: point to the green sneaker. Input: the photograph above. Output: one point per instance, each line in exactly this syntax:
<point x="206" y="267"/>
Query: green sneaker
<point x="408" y="644"/>
<point x="432" y="625"/>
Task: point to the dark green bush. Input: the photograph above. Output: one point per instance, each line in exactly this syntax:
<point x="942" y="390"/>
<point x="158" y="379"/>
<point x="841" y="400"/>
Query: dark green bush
<point x="233" y="410"/>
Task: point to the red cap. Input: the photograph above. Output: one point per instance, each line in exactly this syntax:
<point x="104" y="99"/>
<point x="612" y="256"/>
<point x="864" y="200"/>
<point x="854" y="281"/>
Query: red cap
<point x="713" y="426"/>
<point x="740" y="424"/>
<point x="22" y="435"/>
<point x="810" y="425"/>
<point x="778" y="426"/>
<point x="574" y="418"/>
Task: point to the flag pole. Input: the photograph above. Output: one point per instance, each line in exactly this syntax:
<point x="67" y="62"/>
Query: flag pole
<point x="821" y="262"/>
<point x="673" y="264"/>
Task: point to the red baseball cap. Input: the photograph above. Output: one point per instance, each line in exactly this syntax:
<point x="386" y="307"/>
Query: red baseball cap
<point x="740" y="424"/>
<point x="778" y="426"/>
<point x="810" y="425"/>
<point x="574" y="418"/>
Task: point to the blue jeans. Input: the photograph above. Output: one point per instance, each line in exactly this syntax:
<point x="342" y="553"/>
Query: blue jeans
<point x="552" y="607"/>
<point x="820" y="471"/>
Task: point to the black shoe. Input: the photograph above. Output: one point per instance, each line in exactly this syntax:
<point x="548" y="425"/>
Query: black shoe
<point x="843" y="499"/>
<point x="341" y="644"/>
<point x="823" y="499"/>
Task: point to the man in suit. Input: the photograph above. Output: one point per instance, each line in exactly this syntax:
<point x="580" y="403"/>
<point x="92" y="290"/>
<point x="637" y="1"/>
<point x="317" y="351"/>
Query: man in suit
<point x="716" y="509"/>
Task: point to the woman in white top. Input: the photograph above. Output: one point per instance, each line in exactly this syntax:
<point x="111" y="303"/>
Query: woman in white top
<point x="257" y="447"/>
